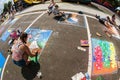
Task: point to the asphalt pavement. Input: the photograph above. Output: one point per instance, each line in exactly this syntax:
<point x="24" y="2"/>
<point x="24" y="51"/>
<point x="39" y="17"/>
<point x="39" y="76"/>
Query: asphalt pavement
<point x="60" y="59"/>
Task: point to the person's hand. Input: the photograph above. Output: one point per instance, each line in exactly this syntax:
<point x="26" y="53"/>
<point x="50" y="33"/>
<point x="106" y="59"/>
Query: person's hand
<point x="36" y="50"/>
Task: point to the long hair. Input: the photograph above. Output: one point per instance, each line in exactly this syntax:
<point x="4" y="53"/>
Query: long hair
<point x="23" y="37"/>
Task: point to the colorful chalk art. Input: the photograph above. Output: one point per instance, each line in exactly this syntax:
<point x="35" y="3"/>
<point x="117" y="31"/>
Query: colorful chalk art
<point x="38" y="39"/>
<point x="11" y="22"/>
<point x="2" y="61"/>
<point x="71" y="20"/>
<point x="104" y="57"/>
<point x="6" y="34"/>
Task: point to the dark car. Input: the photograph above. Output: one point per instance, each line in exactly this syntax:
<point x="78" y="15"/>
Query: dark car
<point x="81" y="1"/>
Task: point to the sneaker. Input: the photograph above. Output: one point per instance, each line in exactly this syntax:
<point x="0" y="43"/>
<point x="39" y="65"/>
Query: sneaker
<point x="49" y="13"/>
<point x="9" y="51"/>
<point x="98" y="34"/>
<point x="39" y="75"/>
<point x="28" y="62"/>
<point x="97" y="16"/>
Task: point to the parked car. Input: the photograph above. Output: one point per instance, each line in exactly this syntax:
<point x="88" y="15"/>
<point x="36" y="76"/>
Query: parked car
<point x="117" y="10"/>
<point x="29" y="1"/>
<point x="81" y="1"/>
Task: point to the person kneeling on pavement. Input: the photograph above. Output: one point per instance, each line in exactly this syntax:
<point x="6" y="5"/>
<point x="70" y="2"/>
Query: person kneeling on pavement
<point x="109" y="28"/>
<point x="21" y="52"/>
<point x="57" y="12"/>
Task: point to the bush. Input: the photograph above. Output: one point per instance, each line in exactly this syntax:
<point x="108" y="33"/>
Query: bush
<point x="5" y="8"/>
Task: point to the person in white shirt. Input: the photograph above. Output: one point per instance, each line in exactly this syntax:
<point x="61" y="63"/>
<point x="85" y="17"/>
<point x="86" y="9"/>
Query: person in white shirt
<point x="50" y="7"/>
<point x="56" y="11"/>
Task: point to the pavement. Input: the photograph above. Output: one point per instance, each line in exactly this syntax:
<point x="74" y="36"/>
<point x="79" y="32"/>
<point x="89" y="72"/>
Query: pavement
<point x="60" y="59"/>
<point x="92" y="9"/>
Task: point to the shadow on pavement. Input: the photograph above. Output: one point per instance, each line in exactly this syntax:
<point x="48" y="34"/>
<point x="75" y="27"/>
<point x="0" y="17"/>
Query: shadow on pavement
<point x="58" y="18"/>
<point x="29" y="72"/>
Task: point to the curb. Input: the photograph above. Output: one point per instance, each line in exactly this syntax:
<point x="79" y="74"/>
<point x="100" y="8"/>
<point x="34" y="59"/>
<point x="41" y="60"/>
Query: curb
<point x="80" y="12"/>
<point x="104" y="9"/>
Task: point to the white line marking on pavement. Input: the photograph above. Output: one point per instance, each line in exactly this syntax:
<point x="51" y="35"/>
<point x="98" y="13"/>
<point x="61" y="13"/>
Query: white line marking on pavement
<point x="30" y="13"/>
<point x="35" y="20"/>
<point x="91" y="17"/>
<point x="90" y="47"/>
<point x="25" y="30"/>
<point x="4" y="66"/>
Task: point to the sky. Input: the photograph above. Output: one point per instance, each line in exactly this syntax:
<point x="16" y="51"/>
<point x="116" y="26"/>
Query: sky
<point x="2" y="4"/>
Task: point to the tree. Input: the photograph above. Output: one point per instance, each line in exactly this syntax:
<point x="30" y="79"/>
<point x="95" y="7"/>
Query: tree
<point x="114" y="3"/>
<point x="117" y="3"/>
<point x="9" y="6"/>
<point x="5" y="8"/>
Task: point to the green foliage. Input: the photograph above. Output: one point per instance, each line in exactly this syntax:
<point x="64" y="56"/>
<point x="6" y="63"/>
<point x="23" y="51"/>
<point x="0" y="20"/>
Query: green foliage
<point x="114" y="3"/>
<point x="117" y="2"/>
<point x="100" y="78"/>
<point x="9" y="4"/>
<point x="5" y="7"/>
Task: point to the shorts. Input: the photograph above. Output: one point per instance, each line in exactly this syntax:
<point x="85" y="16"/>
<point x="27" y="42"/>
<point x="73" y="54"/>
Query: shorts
<point x="20" y="63"/>
<point x="102" y="21"/>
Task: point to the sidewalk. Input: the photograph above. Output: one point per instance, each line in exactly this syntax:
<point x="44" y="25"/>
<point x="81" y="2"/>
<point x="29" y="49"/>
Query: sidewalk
<point x="64" y="6"/>
<point x="72" y="7"/>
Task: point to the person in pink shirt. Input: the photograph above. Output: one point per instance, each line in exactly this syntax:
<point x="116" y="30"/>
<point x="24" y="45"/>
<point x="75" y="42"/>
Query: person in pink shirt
<point x="14" y="36"/>
<point x="21" y="51"/>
